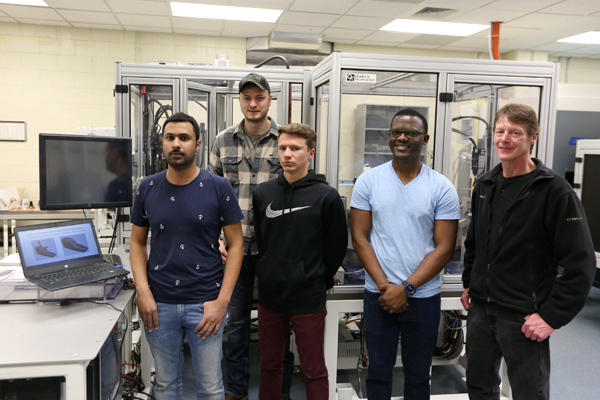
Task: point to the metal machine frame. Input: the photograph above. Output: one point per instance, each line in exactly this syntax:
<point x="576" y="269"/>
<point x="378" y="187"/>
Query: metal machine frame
<point x="450" y="73"/>
<point x="587" y="147"/>
<point x="449" y="70"/>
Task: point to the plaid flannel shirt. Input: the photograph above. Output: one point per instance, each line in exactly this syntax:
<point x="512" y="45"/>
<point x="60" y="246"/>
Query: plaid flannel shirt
<point x="230" y="159"/>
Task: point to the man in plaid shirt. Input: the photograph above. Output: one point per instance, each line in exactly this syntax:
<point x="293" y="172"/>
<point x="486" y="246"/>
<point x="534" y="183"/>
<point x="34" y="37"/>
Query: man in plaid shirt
<point x="246" y="155"/>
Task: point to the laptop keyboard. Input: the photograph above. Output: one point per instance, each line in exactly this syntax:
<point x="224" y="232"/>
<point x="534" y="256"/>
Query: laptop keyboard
<point x="76" y="272"/>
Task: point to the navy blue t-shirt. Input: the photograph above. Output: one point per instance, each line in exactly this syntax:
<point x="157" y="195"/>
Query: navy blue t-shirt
<point x="185" y="222"/>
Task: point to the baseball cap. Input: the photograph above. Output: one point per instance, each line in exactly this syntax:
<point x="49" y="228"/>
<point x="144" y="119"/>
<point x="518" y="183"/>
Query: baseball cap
<point x="256" y="79"/>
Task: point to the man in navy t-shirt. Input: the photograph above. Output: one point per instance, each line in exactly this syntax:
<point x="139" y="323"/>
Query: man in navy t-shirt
<point x="182" y="288"/>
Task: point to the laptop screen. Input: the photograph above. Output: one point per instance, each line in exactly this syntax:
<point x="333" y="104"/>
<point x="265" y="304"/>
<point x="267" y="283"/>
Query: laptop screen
<point x="55" y="244"/>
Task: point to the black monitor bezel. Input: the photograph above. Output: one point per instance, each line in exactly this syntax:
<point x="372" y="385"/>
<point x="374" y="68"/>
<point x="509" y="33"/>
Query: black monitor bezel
<point x="45" y="137"/>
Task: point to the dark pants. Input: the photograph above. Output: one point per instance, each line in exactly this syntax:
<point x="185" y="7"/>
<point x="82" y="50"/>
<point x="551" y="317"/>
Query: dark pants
<point x="493" y="332"/>
<point x="238" y="335"/>
<point x="273" y="331"/>
<point x="418" y="328"/>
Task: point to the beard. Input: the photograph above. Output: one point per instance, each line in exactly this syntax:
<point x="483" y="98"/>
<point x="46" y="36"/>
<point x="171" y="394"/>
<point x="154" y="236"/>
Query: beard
<point x="183" y="162"/>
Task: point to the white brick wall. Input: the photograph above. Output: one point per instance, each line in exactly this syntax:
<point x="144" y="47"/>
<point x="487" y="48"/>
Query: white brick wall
<point x="57" y="79"/>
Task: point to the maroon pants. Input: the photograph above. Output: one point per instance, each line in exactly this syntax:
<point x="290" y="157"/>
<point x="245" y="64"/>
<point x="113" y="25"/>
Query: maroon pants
<point x="273" y="331"/>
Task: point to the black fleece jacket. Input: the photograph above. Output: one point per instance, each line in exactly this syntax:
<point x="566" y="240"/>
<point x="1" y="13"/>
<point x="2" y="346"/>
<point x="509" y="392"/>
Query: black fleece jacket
<point x="544" y="228"/>
<point x="302" y="238"/>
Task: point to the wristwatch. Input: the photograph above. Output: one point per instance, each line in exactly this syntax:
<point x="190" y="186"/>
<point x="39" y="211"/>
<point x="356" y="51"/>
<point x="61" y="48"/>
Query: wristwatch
<point x="409" y="288"/>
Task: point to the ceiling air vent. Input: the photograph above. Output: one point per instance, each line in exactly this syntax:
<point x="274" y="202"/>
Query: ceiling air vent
<point x="434" y="13"/>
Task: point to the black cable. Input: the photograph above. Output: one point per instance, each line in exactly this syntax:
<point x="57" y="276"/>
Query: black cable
<point x="287" y="64"/>
<point x="113" y="239"/>
<point x="133" y="397"/>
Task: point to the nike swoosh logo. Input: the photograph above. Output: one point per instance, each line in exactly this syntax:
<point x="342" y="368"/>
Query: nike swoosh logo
<point x="278" y="213"/>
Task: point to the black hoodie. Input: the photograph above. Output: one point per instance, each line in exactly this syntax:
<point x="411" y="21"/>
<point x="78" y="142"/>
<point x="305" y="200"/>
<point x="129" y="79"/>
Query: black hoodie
<point x="302" y="239"/>
<point x="543" y="228"/>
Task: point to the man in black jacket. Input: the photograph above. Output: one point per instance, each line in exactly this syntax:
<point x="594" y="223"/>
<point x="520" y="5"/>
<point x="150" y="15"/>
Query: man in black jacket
<point x="301" y="232"/>
<point x="527" y="222"/>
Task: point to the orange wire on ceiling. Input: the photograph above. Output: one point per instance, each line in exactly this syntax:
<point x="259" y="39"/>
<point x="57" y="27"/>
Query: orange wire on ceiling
<point x="495" y="40"/>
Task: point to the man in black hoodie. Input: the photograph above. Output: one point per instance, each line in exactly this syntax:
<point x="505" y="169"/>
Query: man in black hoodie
<point x="301" y="232"/>
<point x="527" y="222"/>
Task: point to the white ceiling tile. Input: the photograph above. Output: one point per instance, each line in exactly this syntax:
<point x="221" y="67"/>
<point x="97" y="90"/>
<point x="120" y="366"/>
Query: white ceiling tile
<point x="346" y="34"/>
<point x="555" y="47"/>
<point x="7" y="19"/>
<point x="212" y="2"/>
<point x="30" y="12"/>
<point x="595" y="57"/>
<point x="434" y="40"/>
<point x="351" y="22"/>
<point x="387" y="36"/>
<point x="471" y="42"/>
<point x="343" y="41"/>
<point x="200" y="24"/>
<point x="454" y="3"/>
<point x="97" y="26"/>
<point x="139" y="7"/>
<point x="580" y="25"/>
<point x="506" y="33"/>
<point x="369" y="8"/>
<point x="2" y="14"/>
<point x="373" y="43"/>
<point x="539" y="21"/>
<point x="298" y="28"/>
<point x="418" y="46"/>
<point x="520" y="5"/>
<point x="320" y="6"/>
<point x="574" y="7"/>
<point x="147" y="29"/>
<point x="270" y="4"/>
<point x="89" y="16"/>
<point x="42" y="22"/>
<point x="484" y="17"/>
<point x="307" y="19"/>
<point x="521" y="44"/>
<point x="246" y="29"/>
<point x="197" y="32"/>
<point x="87" y="5"/>
<point x="144" y="20"/>
<point x="593" y="50"/>
<point x="569" y="55"/>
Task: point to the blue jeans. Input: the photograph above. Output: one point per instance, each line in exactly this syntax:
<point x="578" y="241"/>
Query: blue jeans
<point x="418" y="328"/>
<point x="176" y="321"/>
<point x="493" y="332"/>
<point x="237" y="353"/>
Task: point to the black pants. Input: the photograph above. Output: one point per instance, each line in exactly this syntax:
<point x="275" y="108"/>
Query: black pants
<point x="494" y="332"/>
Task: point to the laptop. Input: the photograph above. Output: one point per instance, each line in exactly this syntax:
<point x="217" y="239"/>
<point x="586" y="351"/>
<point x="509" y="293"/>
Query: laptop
<point x="63" y="254"/>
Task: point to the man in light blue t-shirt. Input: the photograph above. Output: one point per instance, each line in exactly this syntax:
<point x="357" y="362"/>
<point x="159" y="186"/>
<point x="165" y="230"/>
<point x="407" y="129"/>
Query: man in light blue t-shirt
<point x="404" y="221"/>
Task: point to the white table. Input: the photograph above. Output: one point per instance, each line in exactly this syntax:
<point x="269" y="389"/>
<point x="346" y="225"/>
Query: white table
<point x="41" y="340"/>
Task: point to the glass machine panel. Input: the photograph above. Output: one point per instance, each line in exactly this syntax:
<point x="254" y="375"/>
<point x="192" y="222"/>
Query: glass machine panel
<point x="321" y="128"/>
<point x="197" y="107"/>
<point x="150" y="106"/>
<point x="367" y="109"/>
<point x="472" y="146"/>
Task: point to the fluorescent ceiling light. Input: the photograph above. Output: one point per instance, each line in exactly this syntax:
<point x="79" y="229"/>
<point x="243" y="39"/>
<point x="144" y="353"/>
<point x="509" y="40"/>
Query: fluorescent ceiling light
<point x="584" y="38"/>
<point x="433" y="27"/>
<point x="39" y="3"/>
<point x="225" y="12"/>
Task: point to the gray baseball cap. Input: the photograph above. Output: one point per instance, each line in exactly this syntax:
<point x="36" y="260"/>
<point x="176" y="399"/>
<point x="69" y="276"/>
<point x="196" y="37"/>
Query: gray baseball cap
<point x="255" y="79"/>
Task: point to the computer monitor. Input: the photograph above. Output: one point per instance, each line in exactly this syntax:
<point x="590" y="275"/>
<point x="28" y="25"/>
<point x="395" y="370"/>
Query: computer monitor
<point x="79" y="171"/>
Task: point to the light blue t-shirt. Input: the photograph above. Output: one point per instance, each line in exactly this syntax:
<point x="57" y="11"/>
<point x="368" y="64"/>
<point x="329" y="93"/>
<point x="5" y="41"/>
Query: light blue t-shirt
<point x="402" y="218"/>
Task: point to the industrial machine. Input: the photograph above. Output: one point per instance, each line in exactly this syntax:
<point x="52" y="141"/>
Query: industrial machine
<point x="349" y="99"/>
